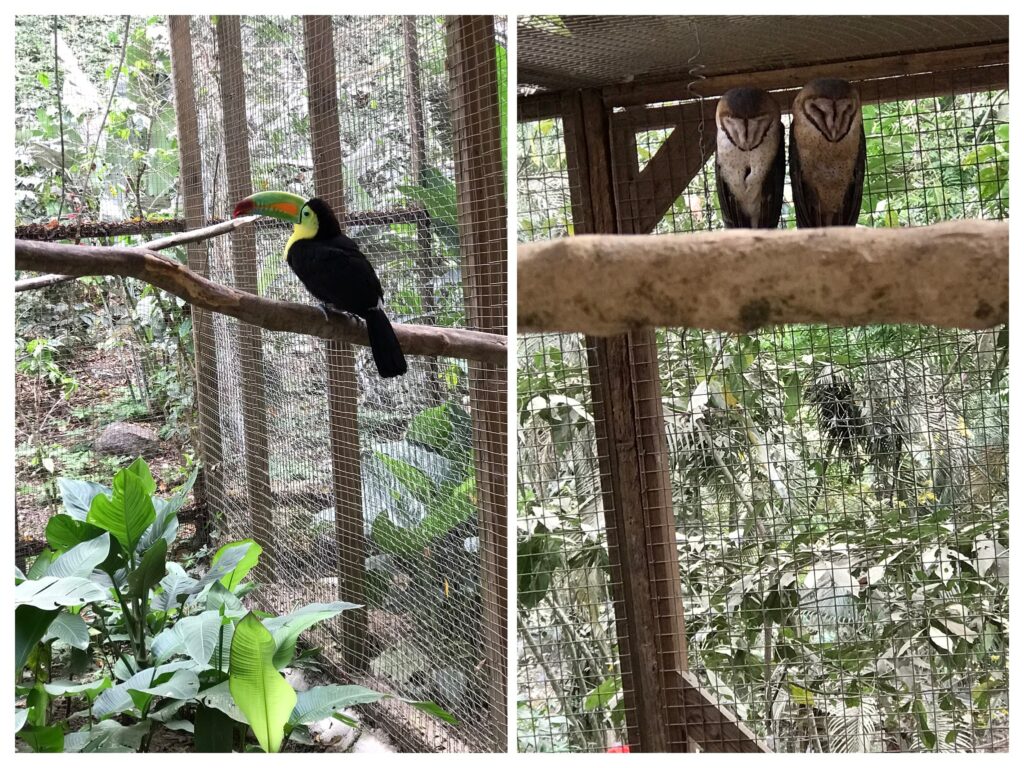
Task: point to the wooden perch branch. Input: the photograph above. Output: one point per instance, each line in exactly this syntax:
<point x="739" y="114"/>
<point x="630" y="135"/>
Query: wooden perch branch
<point x="954" y="275"/>
<point x="176" y="278"/>
<point x="195" y="236"/>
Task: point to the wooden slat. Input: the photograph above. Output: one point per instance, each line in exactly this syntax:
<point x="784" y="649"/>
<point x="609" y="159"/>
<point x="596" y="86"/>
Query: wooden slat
<point x="656" y="517"/>
<point x="203" y="338"/>
<point x="482" y="216"/>
<point x="590" y="189"/>
<point x="633" y="457"/>
<point x="646" y="195"/>
<point x="540" y="106"/>
<point x="649" y="194"/>
<point x="243" y="257"/>
<point x="711" y="725"/>
<point x="967" y="58"/>
<point x="346" y="478"/>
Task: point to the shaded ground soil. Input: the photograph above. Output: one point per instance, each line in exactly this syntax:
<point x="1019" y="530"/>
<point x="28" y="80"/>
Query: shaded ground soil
<point x="54" y="435"/>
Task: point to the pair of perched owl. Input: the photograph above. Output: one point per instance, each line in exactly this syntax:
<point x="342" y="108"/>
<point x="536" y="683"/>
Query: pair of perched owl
<point x="826" y="156"/>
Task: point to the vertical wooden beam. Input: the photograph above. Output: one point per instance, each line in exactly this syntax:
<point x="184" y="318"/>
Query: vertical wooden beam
<point x="480" y="186"/>
<point x="204" y="342"/>
<point x="426" y="274"/>
<point x="342" y="389"/>
<point x="243" y="260"/>
<point x="633" y="454"/>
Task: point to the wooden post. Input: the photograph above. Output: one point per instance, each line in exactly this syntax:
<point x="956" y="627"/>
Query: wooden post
<point x="480" y="186"/>
<point x="633" y="454"/>
<point x="342" y="389"/>
<point x="427" y="274"/>
<point x="203" y="339"/>
<point x="243" y="259"/>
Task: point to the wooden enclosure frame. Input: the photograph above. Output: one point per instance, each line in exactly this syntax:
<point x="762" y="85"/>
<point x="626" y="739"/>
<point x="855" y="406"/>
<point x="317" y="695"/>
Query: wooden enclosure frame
<point x="666" y="710"/>
<point x="482" y="218"/>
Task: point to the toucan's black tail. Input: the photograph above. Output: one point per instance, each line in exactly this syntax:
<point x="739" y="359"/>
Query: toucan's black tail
<point x="387" y="352"/>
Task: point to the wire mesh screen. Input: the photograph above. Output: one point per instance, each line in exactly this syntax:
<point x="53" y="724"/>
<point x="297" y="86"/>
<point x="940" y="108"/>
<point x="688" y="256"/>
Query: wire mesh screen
<point x="569" y="693"/>
<point x="358" y="488"/>
<point x="95" y="161"/>
<point x="839" y="494"/>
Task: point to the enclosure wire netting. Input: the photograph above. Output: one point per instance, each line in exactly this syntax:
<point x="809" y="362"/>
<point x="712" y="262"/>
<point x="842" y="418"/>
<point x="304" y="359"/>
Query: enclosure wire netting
<point x="404" y="456"/>
<point x="840" y="494"/>
<point x="579" y="51"/>
<point x="93" y="150"/>
<point x="569" y="695"/>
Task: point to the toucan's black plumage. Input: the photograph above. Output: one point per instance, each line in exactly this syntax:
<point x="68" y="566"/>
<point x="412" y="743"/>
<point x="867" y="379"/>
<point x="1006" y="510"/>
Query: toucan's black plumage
<point x="335" y="271"/>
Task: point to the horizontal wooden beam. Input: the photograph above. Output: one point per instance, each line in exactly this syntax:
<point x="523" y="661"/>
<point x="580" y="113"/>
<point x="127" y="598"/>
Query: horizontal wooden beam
<point x="89" y="230"/>
<point x="954" y="275"/>
<point x="905" y="88"/>
<point x="539" y="106"/>
<point x="968" y="58"/>
<point x="176" y="278"/>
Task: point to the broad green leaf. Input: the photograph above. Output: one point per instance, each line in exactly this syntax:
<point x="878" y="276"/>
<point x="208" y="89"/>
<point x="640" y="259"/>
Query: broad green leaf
<point x="50" y="592"/>
<point x="46" y="738"/>
<point x="82" y="559"/>
<point x="69" y="628"/>
<point x="77" y="496"/>
<point x="41" y="564"/>
<point x="248" y="561"/>
<point x="324" y="700"/>
<point x="30" y="624"/>
<point x="258" y="688"/>
<point x="166" y="523"/>
<point x="149" y="572"/>
<point x="182" y="685"/>
<point x="199" y="635"/>
<point x="91" y="689"/>
<point x="222" y="600"/>
<point x="286" y="629"/>
<point x="129" y="512"/>
<point x="175" y="585"/>
<point x="20" y="718"/>
<point x="227" y="559"/>
<point x="219" y="697"/>
<point x="143" y="683"/>
<point x="415" y="480"/>
<point x="110" y="736"/>
<point x="63" y="532"/>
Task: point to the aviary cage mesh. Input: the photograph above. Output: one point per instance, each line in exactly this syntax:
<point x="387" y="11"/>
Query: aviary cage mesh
<point x="119" y="163"/>
<point x="840" y="494"/>
<point x="305" y="426"/>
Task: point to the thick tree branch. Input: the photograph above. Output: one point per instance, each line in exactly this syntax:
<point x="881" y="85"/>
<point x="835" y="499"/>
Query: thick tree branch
<point x="954" y="275"/>
<point x="176" y="278"/>
<point x="193" y="236"/>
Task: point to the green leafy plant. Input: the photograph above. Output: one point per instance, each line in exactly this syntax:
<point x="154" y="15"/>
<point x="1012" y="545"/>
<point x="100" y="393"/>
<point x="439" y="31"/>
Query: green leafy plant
<point x="152" y="646"/>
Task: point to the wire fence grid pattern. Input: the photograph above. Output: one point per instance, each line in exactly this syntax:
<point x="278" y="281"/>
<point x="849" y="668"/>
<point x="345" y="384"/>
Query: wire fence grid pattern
<point x="359" y="489"/>
<point x="309" y="434"/>
<point x="840" y="494"/>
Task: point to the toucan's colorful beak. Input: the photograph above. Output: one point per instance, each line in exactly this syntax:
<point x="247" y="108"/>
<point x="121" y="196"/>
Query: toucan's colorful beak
<point x="279" y="205"/>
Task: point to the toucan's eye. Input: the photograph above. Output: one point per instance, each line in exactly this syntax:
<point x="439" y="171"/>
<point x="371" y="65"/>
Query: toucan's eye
<point x="305" y="214"/>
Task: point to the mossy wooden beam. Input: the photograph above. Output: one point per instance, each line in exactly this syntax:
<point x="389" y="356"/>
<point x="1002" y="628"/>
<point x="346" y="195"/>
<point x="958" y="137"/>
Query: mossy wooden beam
<point x="953" y="275"/>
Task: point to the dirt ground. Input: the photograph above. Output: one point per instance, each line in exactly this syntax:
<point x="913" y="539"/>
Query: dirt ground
<point x="48" y="425"/>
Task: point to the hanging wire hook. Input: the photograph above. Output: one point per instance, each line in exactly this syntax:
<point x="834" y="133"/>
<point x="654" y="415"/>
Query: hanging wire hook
<point x="696" y="73"/>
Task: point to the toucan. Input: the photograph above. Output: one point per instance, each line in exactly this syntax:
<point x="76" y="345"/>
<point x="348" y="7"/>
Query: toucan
<point x="332" y="268"/>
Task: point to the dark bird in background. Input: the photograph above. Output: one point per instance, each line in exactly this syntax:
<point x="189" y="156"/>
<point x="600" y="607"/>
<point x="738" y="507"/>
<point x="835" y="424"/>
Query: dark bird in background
<point x="827" y="154"/>
<point x="332" y="268"/>
<point x="750" y="162"/>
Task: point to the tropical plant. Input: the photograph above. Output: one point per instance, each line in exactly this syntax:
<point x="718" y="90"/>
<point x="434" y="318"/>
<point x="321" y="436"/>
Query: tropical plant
<point x="151" y="646"/>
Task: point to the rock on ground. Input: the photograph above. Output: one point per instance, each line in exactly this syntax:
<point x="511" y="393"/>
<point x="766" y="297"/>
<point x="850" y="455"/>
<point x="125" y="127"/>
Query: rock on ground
<point x="124" y="439"/>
